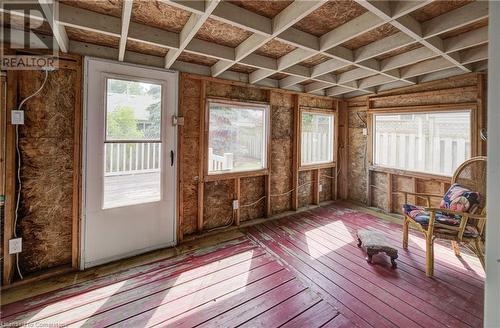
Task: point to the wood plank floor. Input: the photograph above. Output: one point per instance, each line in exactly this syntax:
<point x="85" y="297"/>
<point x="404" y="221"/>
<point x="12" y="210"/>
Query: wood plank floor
<point x="320" y="247"/>
<point x="234" y="284"/>
<point x="300" y="271"/>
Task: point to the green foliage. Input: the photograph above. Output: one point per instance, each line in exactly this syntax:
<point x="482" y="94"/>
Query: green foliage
<point x="121" y="124"/>
<point x="153" y="131"/>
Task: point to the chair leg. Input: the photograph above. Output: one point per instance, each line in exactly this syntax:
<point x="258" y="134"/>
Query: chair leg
<point x="405" y="233"/>
<point x="478" y="247"/>
<point x="455" y="247"/>
<point x="429" y="256"/>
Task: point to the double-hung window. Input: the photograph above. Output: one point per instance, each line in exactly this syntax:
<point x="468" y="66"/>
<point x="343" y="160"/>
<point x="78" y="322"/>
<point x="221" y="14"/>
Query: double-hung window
<point x="432" y="142"/>
<point x="316" y="137"/>
<point x="237" y="137"/>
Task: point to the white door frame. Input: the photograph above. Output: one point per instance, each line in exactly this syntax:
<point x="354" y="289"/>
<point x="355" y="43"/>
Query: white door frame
<point x="492" y="287"/>
<point x="87" y="60"/>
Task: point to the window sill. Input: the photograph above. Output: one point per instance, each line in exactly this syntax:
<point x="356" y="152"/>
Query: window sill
<point x="317" y="166"/>
<point x="234" y="175"/>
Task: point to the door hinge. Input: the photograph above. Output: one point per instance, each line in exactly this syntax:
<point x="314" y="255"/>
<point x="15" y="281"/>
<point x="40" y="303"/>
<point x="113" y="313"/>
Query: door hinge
<point x="177" y="120"/>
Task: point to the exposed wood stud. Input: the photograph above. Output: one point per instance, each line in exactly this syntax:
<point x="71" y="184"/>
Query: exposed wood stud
<point x="77" y="167"/>
<point x="10" y="182"/>
<point x="316" y="177"/>
<point x="180" y="167"/>
<point x="237" y="190"/>
<point x="296" y="153"/>
<point x="389" y="193"/>
<point x="202" y="154"/>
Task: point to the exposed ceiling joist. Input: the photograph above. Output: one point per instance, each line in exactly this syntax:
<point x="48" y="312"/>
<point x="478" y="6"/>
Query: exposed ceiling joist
<point x="59" y="31"/>
<point x="435" y="54"/>
<point x="126" y="13"/>
<point x="189" y="31"/>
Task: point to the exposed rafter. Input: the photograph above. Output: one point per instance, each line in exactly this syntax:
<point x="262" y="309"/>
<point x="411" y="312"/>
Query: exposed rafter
<point x="51" y="12"/>
<point x="126" y="13"/>
<point x="369" y="74"/>
<point x="189" y="31"/>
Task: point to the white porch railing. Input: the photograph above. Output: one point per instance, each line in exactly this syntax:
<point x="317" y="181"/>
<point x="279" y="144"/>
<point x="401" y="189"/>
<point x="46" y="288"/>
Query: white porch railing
<point x="131" y="158"/>
<point x="220" y="163"/>
<point x="315" y="147"/>
<point x="440" y="155"/>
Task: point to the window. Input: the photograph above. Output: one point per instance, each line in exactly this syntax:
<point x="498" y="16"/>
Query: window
<point x="427" y="142"/>
<point x="132" y="145"/>
<point x="316" y="134"/>
<point x="237" y="137"/>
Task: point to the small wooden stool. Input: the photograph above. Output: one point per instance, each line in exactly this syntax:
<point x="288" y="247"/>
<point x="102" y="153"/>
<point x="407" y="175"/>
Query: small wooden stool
<point x="375" y="242"/>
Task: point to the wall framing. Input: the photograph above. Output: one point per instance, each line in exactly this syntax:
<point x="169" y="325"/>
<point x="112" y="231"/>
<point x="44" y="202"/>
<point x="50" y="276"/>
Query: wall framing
<point x="39" y="147"/>
<point x="382" y="184"/>
<point x="261" y="193"/>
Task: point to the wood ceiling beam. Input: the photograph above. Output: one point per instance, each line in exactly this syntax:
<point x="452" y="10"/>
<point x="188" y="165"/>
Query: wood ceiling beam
<point x="349" y="30"/>
<point x="189" y="30"/>
<point x="466" y="40"/>
<point x="474" y="55"/>
<point x="291" y="80"/>
<point x="454" y="19"/>
<point x="316" y="86"/>
<point x="247" y="20"/>
<point x="285" y="19"/>
<point x="126" y="13"/>
<point x="383" y="46"/>
<point x="440" y="75"/>
<point x="426" y="33"/>
<point x="404" y="7"/>
<point x="376" y="80"/>
<point x="308" y="45"/>
<point x="407" y="58"/>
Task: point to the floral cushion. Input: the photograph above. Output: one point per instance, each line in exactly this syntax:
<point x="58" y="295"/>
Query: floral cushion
<point x="458" y="198"/>
<point x="419" y="215"/>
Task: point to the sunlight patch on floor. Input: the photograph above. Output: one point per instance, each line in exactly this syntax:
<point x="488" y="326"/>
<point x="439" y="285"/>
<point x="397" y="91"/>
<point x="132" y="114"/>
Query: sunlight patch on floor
<point x="337" y="226"/>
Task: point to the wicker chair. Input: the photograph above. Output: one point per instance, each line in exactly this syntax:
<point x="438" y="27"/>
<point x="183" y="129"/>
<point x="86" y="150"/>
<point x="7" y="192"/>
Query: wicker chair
<point x="470" y="230"/>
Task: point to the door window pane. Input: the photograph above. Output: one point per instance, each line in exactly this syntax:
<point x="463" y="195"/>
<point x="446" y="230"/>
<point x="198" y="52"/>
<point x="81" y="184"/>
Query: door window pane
<point x="132" y="168"/>
<point x="237" y="138"/>
<point x="427" y="142"/>
<point x="316" y="138"/>
<point x="132" y="110"/>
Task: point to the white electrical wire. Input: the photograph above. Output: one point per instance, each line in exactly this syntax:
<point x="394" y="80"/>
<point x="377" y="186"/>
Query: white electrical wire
<point x="19" y="182"/>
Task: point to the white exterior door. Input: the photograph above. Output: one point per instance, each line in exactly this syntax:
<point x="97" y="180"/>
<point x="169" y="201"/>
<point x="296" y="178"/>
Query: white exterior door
<point x="130" y="146"/>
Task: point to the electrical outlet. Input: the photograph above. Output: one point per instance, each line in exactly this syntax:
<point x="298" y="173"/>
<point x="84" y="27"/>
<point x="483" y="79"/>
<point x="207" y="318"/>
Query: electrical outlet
<point x="235" y="204"/>
<point x="15" y="245"/>
<point x="365" y="131"/>
<point x="320" y="188"/>
<point x="17" y="117"/>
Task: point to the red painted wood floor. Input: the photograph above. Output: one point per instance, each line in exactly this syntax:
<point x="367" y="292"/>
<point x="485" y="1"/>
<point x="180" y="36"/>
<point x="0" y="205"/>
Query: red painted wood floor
<point x="300" y="271"/>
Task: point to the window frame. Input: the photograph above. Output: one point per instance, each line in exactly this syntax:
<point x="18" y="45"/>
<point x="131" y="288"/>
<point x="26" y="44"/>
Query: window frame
<point x="126" y="78"/>
<point x="265" y="106"/>
<point x="329" y="164"/>
<point x="161" y="141"/>
<point x="472" y="108"/>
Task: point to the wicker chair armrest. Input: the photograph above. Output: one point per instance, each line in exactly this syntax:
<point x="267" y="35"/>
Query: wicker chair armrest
<point x="464" y="214"/>
<point x="425" y="196"/>
<point x="419" y="194"/>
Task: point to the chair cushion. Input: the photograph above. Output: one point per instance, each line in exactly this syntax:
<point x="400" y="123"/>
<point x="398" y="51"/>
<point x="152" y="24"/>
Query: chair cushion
<point x="458" y="198"/>
<point x="419" y="215"/>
